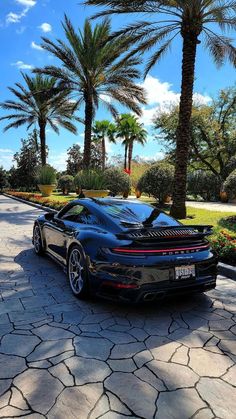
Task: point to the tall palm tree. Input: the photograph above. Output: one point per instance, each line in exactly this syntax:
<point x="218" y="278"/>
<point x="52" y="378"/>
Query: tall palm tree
<point x="193" y="20"/>
<point x="95" y="71"/>
<point x="130" y="130"/>
<point x="39" y="103"/>
<point x="103" y="130"/>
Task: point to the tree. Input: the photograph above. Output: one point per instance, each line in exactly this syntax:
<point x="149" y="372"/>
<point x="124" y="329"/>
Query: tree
<point x="3" y="178"/>
<point x="27" y="164"/>
<point x="74" y="160"/>
<point x="40" y="103"/>
<point x="212" y="134"/>
<point x="103" y="130"/>
<point x="95" y="71"/>
<point x="190" y="19"/>
<point x="130" y="130"/>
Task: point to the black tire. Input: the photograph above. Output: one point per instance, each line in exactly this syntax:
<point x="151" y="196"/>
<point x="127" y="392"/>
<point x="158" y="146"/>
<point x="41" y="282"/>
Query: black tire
<point x="37" y="238"/>
<point x="77" y="273"/>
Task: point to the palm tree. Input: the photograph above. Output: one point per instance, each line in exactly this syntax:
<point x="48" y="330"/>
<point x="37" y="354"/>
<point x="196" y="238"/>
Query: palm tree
<point x="39" y="103"/>
<point x="103" y="130"/>
<point x="95" y="71"/>
<point x="130" y="130"/>
<point x="191" y="19"/>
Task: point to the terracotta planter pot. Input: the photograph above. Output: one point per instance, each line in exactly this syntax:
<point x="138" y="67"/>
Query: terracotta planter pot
<point x="224" y="197"/>
<point x="138" y="193"/>
<point x="92" y="193"/>
<point x="46" y="190"/>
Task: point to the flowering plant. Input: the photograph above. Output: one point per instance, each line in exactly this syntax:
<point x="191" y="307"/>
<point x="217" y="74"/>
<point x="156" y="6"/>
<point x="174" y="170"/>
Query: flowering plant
<point x="224" y="244"/>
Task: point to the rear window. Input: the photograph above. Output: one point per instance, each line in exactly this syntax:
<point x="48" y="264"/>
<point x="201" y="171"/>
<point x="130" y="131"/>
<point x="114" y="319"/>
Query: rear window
<point x="128" y="214"/>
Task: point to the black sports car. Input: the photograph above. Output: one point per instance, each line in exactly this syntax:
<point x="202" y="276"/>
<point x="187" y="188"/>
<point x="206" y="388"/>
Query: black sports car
<point x="126" y="250"/>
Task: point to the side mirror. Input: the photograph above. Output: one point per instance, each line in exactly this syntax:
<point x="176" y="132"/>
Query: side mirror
<point x="49" y="216"/>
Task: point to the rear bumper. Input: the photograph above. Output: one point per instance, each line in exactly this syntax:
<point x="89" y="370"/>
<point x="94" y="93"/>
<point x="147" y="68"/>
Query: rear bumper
<point x="136" y="284"/>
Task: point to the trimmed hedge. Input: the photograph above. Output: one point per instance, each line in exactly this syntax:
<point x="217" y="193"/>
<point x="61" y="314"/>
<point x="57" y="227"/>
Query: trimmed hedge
<point x="38" y="199"/>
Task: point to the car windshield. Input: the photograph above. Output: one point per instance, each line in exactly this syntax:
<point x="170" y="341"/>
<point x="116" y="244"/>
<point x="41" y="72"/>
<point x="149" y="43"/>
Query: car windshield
<point x="132" y="214"/>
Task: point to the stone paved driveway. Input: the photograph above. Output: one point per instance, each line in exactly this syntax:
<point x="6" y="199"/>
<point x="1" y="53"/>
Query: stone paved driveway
<point x="62" y="358"/>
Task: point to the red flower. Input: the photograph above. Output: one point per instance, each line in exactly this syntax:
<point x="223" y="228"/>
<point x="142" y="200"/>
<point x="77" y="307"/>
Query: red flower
<point x="128" y="171"/>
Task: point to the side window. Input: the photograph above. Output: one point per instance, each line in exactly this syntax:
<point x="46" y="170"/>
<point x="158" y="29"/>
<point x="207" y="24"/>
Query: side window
<point x="73" y="213"/>
<point x="80" y="214"/>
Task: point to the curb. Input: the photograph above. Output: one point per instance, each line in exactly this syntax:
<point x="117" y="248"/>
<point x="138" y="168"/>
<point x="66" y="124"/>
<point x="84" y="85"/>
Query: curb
<point x="31" y="204"/>
<point x="227" y="270"/>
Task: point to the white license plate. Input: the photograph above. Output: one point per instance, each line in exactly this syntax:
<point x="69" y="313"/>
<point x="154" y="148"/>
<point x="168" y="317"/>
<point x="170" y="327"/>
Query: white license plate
<point x="184" y="272"/>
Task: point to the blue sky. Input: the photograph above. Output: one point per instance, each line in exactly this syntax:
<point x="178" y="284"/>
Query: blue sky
<point x="23" y="22"/>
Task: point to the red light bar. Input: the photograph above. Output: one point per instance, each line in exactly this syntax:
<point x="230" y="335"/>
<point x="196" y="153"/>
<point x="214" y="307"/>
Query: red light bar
<point x="123" y="250"/>
<point x="119" y="285"/>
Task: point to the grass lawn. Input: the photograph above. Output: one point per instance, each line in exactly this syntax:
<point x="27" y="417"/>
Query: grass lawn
<point x="57" y="196"/>
<point x="201" y="216"/>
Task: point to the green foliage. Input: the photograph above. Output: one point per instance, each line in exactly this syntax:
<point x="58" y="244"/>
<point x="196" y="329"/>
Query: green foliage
<point x="224" y="244"/>
<point x="138" y="169"/>
<point x="117" y="181"/>
<point x="230" y="185"/>
<point x="66" y="183"/>
<point x="41" y="101"/>
<point x="90" y="179"/>
<point x="205" y="184"/>
<point x="157" y="181"/>
<point x="47" y="175"/>
<point x="74" y="159"/>
<point x="27" y="160"/>
<point x="3" y="179"/>
<point x="213" y="130"/>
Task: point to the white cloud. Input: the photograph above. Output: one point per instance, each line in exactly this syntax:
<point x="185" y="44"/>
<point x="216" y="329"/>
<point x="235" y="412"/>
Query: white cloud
<point x="6" y="150"/>
<point x="21" y="30"/>
<point x="36" y="46"/>
<point x="27" y="3"/>
<point x="163" y="98"/>
<point x="16" y="17"/>
<point x="22" y="66"/>
<point x="58" y="160"/>
<point x="6" y="158"/>
<point x="45" y="27"/>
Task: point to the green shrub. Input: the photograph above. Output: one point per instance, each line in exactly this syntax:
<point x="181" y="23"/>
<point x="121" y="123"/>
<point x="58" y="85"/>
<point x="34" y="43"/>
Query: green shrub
<point x="47" y="175"/>
<point x="66" y="183"/>
<point x="224" y="244"/>
<point x="117" y="181"/>
<point x="205" y="184"/>
<point x="90" y="179"/>
<point x="157" y="181"/>
<point x="230" y="185"/>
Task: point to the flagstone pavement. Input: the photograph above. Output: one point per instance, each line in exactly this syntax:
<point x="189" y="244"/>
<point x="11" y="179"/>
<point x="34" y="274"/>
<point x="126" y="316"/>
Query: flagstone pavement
<point x="63" y="358"/>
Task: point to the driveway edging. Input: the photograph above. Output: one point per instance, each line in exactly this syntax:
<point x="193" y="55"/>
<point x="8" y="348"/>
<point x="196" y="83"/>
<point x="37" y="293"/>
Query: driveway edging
<point x="32" y="204"/>
<point x="227" y="270"/>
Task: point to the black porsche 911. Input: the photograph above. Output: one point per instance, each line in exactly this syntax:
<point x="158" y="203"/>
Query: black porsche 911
<point x="126" y="250"/>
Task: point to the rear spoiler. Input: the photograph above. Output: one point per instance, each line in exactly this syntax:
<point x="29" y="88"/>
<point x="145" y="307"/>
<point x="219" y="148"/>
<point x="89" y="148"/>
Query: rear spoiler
<point x="178" y="232"/>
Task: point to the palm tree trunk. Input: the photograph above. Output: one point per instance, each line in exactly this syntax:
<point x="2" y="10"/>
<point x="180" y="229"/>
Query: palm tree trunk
<point x="178" y="209"/>
<point x="103" y="153"/>
<point x="42" y="136"/>
<point x="131" y="145"/>
<point x="88" y="132"/>
<point x="125" y="159"/>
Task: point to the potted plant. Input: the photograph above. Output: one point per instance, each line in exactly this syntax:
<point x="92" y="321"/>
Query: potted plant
<point x="91" y="184"/>
<point x="47" y="180"/>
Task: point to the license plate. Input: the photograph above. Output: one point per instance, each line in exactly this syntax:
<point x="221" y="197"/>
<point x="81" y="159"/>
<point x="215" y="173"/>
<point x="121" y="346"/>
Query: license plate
<point x="184" y="272"/>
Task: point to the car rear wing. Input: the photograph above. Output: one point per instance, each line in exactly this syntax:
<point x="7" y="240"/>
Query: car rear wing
<point x="170" y="232"/>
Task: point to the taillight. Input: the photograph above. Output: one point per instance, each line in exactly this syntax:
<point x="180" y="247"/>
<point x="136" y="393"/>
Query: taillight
<point x="175" y="250"/>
